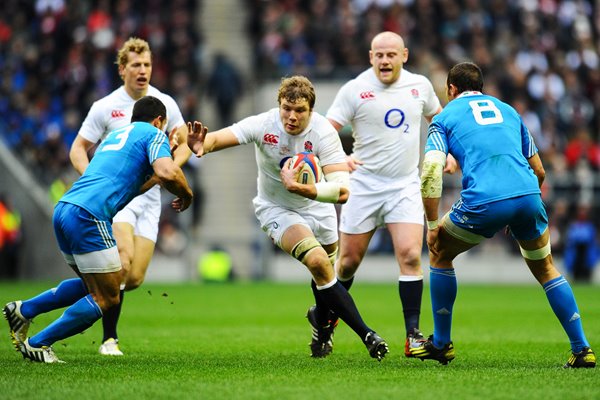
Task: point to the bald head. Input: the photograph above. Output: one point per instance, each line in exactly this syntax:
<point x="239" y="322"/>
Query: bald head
<point x="387" y="56"/>
<point x="387" y="39"/>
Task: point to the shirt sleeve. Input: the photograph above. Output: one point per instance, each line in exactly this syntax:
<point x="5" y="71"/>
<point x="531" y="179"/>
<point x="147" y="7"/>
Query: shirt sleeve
<point x="432" y="103"/>
<point x="93" y="126"/>
<point x="437" y="138"/>
<point x="248" y="129"/>
<point x="529" y="148"/>
<point x="342" y="110"/>
<point x="174" y="116"/>
<point x="158" y="146"/>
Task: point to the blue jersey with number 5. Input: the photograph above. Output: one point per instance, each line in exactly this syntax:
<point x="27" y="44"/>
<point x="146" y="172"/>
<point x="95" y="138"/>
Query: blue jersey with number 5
<point x="489" y="140"/>
<point x="121" y="164"/>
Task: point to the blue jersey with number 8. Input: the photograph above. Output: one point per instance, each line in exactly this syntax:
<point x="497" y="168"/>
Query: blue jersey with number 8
<point x="490" y="142"/>
<point x="121" y="164"/>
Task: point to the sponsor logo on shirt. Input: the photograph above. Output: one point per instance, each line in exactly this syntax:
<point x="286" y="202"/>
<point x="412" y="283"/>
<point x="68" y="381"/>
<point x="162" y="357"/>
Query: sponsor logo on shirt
<point x="369" y="95"/>
<point x="117" y="114"/>
<point x="271" y="139"/>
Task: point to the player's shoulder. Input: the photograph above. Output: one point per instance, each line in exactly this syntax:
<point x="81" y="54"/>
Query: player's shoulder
<point x="162" y="96"/>
<point x="410" y="77"/>
<point x="321" y="125"/>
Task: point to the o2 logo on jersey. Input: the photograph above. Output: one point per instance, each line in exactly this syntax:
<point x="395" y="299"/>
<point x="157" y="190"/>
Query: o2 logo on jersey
<point x="486" y="112"/>
<point x="394" y="119"/>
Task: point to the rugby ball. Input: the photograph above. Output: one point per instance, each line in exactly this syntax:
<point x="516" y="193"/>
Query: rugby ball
<point x="311" y="170"/>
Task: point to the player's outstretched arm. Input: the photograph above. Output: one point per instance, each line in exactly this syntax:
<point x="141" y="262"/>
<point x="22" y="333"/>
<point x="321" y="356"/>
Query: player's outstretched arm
<point x="172" y="178"/>
<point x="79" y="153"/>
<point x="201" y="142"/>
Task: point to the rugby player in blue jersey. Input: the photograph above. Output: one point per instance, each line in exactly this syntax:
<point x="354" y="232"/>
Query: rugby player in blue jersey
<point x="502" y="176"/>
<point x="124" y="161"/>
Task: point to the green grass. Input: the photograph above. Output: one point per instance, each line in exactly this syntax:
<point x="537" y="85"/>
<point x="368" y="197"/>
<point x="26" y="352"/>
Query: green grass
<point x="250" y="341"/>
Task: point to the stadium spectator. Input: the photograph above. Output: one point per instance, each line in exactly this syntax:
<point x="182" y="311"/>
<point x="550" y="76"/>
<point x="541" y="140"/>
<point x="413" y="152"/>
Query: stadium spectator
<point x="385" y="106"/>
<point x="225" y="88"/>
<point x="136" y="226"/>
<point x="502" y="176"/>
<point x="581" y="246"/>
<point x="299" y="218"/>
<point x="82" y="222"/>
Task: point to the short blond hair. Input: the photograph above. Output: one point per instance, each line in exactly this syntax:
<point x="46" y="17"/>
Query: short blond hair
<point x="133" y="44"/>
<point x="297" y="88"/>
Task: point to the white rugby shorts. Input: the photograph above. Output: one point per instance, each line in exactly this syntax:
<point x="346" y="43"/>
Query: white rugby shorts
<point x="320" y="218"/>
<point x="375" y="201"/>
<point x="143" y="213"/>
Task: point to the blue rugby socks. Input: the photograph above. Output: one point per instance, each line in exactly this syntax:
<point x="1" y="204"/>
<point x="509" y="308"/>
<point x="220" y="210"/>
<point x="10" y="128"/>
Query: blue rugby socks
<point x="443" y="290"/>
<point x="561" y="299"/>
<point x="75" y="319"/>
<point x="66" y="293"/>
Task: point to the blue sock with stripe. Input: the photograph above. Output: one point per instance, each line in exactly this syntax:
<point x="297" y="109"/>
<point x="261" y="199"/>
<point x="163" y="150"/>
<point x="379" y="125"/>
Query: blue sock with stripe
<point x="75" y="319"/>
<point x="443" y="288"/>
<point x="66" y="293"/>
<point x="562" y="300"/>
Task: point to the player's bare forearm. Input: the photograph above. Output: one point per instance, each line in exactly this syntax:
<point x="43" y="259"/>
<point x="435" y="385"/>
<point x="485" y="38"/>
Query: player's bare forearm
<point x="431" y="205"/>
<point x="150" y="183"/>
<point x="182" y="153"/>
<point x="79" y="154"/>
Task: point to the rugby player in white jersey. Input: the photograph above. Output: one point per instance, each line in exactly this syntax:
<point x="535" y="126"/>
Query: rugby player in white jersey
<point x="300" y="218"/>
<point x="385" y="106"/>
<point x="136" y="226"/>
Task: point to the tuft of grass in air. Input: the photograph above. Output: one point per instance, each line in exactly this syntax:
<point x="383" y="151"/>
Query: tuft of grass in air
<point x="250" y="341"/>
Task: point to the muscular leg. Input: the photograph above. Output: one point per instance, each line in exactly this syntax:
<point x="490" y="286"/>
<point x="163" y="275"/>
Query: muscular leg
<point x="104" y="294"/>
<point x="408" y="244"/>
<point x="332" y="292"/>
<point x="558" y="291"/>
<point x="443" y="285"/>
<point x="123" y="233"/>
<point x="353" y="248"/>
<point x="143" y="251"/>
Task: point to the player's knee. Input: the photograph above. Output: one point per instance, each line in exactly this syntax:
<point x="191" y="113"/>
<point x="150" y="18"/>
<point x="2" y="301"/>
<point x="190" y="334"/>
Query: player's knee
<point x="134" y="281"/>
<point x="410" y="258"/>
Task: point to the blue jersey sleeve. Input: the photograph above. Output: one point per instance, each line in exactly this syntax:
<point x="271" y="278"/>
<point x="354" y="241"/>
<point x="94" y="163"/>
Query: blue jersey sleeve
<point x="529" y="148"/>
<point x="436" y="138"/>
<point x="158" y="146"/>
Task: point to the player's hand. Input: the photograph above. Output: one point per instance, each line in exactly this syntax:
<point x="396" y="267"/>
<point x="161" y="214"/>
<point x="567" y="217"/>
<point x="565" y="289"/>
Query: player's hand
<point x="289" y="175"/>
<point x="353" y="163"/>
<point x="179" y="204"/>
<point x="432" y="239"/>
<point x="195" y="139"/>
<point x="451" y="165"/>
<point x="174" y="140"/>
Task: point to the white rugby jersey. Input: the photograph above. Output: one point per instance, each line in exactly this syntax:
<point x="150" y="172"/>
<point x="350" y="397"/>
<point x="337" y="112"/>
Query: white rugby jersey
<point x="273" y="144"/>
<point x="386" y="120"/>
<point x="114" y="111"/>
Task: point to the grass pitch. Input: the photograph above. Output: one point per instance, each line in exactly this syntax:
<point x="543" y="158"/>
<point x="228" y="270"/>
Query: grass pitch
<point x="250" y="341"/>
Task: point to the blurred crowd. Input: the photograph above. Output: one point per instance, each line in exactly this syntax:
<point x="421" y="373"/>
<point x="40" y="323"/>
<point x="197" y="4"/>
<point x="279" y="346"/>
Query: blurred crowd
<point x="542" y="56"/>
<point x="58" y="56"/>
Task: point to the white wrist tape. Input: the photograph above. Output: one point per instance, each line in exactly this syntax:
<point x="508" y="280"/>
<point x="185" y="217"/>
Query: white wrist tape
<point x="431" y="225"/>
<point x="328" y="191"/>
<point x="431" y="175"/>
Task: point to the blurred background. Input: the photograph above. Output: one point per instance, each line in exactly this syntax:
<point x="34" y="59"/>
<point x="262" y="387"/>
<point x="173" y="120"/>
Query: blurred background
<point x="223" y="61"/>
